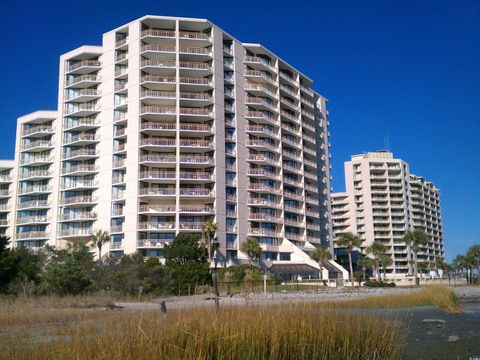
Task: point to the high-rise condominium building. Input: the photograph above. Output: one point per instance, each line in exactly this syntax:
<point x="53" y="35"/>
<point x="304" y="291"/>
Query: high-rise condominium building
<point x="169" y="123"/>
<point x="6" y="180"/>
<point x="382" y="201"/>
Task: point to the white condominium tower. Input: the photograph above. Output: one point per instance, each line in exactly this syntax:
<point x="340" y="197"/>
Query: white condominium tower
<point x="169" y="123"/>
<point x="6" y="180"/>
<point x="383" y="200"/>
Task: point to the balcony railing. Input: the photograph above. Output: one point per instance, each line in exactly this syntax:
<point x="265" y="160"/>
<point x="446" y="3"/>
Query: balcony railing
<point x="33" y="204"/>
<point x="194" y="65"/>
<point x="77" y="216"/>
<point x="158" y="175"/>
<point x="157" y="142"/>
<point x="264" y="217"/>
<point x="158" y="33"/>
<point x="32" y="219"/>
<point x="78" y="79"/>
<point x="194" y="80"/>
<point x="191" y="226"/>
<point x="159" y="63"/>
<point x="265" y="232"/>
<point x="199" y="175"/>
<point x="195" y="143"/>
<point x="79" y="137"/>
<point x="79" y="152"/>
<point x="195" y="111"/>
<point x="158" y="191"/>
<point x="34" y="173"/>
<point x="157" y="158"/>
<point x="260" y="60"/>
<point x="149" y="225"/>
<point x="157" y="209"/>
<point x="195" y="96"/>
<point x="193" y="35"/>
<point x="82" y="92"/>
<point x="158" y="126"/>
<point x="262" y="187"/>
<point x="195" y="192"/>
<point x="84" y="63"/>
<point x="27" y="235"/>
<point x="194" y="50"/>
<point x="81" y="199"/>
<point x="196" y="159"/>
<point x="167" y="110"/>
<point x="195" y="127"/>
<point x="158" y="94"/>
<point x="76" y="232"/>
<point x="263" y="75"/>
<point x="79" y="122"/>
<point x="79" y="184"/>
<point x="37" y="129"/>
<point x="34" y="189"/>
<point x="195" y="209"/>
<point x="158" y="48"/>
<point x="38" y="143"/>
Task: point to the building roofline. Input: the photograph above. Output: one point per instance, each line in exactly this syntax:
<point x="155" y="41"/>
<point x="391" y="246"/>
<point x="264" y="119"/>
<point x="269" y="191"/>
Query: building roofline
<point x="39" y="114"/>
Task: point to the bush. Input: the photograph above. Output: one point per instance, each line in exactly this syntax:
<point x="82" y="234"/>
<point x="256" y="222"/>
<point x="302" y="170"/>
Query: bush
<point x="376" y="284"/>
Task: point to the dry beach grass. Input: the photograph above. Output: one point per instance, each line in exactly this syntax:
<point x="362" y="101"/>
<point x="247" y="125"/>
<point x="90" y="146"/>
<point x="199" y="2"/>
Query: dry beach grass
<point x="32" y="330"/>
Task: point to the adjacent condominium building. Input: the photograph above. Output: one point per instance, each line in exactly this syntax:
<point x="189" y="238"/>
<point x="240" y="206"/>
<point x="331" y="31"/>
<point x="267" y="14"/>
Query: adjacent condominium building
<point x="382" y="201"/>
<point x="169" y="123"/>
<point x="6" y="181"/>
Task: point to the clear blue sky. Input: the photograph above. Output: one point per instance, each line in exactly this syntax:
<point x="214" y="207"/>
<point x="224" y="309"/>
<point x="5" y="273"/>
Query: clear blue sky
<point x="409" y="70"/>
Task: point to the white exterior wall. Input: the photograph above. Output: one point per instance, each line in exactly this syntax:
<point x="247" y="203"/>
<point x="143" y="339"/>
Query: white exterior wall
<point x="379" y="199"/>
<point x="108" y="129"/>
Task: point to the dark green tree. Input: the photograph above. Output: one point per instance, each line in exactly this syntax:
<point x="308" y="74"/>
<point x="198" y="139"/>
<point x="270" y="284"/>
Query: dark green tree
<point x="69" y="271"/>
<point x="188" y="263"/>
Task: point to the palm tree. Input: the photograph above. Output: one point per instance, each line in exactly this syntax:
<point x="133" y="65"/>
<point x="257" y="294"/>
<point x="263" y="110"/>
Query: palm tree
<point x="376" y="249"/>
<point x="415" y="239"/>
<point x="384" y="262"/>
<point x="209" y="228"/>
<point x="349" y="241"/>
<point x="473" y="253"/>
<point x="365" y="263"/>
<point x="252" y="248"/>
<point x="98" y="239"/>
<point x="320" y="255"/>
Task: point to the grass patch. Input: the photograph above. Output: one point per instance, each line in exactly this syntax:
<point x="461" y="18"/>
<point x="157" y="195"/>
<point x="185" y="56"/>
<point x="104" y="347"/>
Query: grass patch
<point x="434" y="295"/>
<point x="274" y="332"/>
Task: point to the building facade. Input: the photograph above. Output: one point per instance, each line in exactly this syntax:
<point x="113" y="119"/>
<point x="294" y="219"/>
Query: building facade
<point x="381" y="202"/>
<point x="6" y="193"/>
<point x="169" y="123"/>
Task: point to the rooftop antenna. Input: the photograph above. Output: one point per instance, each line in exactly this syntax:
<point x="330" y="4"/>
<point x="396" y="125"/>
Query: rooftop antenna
<point x="386" y="143"/>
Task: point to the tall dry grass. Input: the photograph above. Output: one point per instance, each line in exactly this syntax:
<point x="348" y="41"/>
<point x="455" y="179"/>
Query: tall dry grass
<point x="275" y="332"/>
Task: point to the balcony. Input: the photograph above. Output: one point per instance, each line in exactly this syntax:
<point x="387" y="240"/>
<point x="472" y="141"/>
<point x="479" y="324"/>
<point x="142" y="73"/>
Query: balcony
<point x="158" y="175"/>
<point x="289" y="116"/>
<point x="288" y="78"/>
<point x="76" y="232"/>
<point x="157" y="158"/>
<point x="159" y="82"/>
<point x="34" y="204"/>
<point x="156" y="48"/>
<point x="82" y="109"/>
<point x="195" y="83"/>
<point x="158" y="142"/>
<point x="197" y="144"/>
<point x="259" y="90"/>
<point x="83" y="81"/>
<point x="262" y="202"/>
<point x="168" y="192"/>
<point x="190" y="129"/>
<point x="194" y="113"/>
<point x="256" y="75"/>
<point x="36" y="160"/>
<point x="38" y="131"/>
<point x="306" y="90"/>
<point x="77" y="200"/>
<point x="195" y="209"/>
<point x="190" y="226"/>
<point x="293" y="195"/>
<point x="293" y="208"/>
<point x="262" y="144"/>
<point x="35" y="175"/>
<point x="32" y="235"/>
<point x="263" y="232"/>
<point x="6" y="179"/>
<point x="261" y="103"/>
<point x="31" y="190"/>
<point x="80" y="124"/>
<point x="82" y="95"/>
<point x="195" y="68"/>
<point x="151" y="243"/>
<point x="167" y="112"/>
<point x="156" y="226"/>
<point x="261" y="116"/>
<point x="158" y="127"/>
<point x="84" y="66"/>
<point x="194" y="35"/>
<point x="199" y="176"/>
<point x="80" y="154"/>
<point x="260" y="172"/>
<point x="158" y="33"/>
<point x="264" y="217"/>
<point x="262" y="159"/>
<point x="33" y="220"/>
<point x="260" y="63"/>
<point x="38" y="145"/>
<point x="195" y="53"/>
<point x="78" y="216"/>
<point x="3" y="222"/>
<point x="79" y="185"/>
<point x="157" y="209"/>
<point x="198" y="160"/>
<point x="79" y="170"/>
<point x="198" y="192"/>
<point x="80" y="140"/>
<point x="262" y="188"/>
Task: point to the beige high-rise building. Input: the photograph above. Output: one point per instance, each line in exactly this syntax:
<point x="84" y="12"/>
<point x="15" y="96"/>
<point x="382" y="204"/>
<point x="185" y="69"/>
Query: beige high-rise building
<point x="6" y="193"/>
<point x="169" y="123"/>
<point x="382" y="201"/>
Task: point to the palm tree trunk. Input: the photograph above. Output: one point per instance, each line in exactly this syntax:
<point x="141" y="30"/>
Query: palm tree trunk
<point x="321" y="271"/>
<point x="351" y="266"/>
<point x="377" y="269"/>
<point x="364" y="274"/>
<point x="415" y="269"/>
